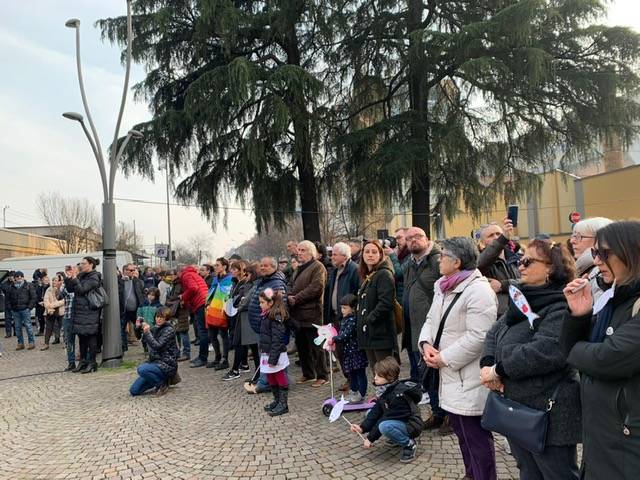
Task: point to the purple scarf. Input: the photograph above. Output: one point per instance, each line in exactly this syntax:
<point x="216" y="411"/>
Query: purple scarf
<point x="447" y="284"/>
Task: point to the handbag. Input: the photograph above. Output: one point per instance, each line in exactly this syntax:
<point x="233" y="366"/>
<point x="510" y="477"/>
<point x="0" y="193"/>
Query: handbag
<point x="398" y="316"/>
<point x="523" y="425"/>
<point x="97" y="298"/>
<point x="431" y="376"/>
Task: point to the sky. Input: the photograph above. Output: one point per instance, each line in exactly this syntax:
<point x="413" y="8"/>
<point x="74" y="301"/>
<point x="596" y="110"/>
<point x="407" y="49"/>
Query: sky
<point x="40" y="151"/>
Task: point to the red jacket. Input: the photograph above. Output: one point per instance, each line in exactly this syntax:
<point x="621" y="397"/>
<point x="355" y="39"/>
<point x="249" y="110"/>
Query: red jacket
<point x="195" y="290"/>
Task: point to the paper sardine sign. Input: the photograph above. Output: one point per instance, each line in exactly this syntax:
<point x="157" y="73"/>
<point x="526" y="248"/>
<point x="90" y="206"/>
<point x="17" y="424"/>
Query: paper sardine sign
<point x="520" y="301"/>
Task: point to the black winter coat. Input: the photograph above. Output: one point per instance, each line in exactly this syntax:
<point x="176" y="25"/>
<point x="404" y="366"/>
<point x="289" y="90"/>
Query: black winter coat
<point x="86" y="321"/>
<point x="163" y="350"/>
<point x="273" y="338"/>
<point x="398" y="402"/>
<point x="21" y="298"/>
<point x="532" y="364"/>
<point x="349" y="282"/>
<point x="610" y="381"/>
<point x="493" y="267"/>
<point x="376" y="324"/>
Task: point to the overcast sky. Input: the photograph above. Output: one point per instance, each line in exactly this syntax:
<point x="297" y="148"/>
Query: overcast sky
<point x="41" y="151"/>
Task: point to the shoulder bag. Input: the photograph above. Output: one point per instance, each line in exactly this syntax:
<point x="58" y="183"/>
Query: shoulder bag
<point x="97" y="298"/>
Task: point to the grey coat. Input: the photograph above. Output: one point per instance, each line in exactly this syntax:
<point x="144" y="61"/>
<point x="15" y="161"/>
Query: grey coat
<point x="532" y="364"/>
<point x="418" y="295"/>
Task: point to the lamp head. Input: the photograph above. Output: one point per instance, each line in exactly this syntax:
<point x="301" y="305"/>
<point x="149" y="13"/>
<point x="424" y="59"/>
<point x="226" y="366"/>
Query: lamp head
<point x="73" y="116"/>
<point x="136" y="134"/>
<point x="72" y="23"/>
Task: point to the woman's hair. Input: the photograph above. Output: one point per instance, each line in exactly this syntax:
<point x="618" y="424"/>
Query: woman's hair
<point x="164" y="312"/>
<point x="464" y="249"/>
<point x="563" y="266"/>
<point x="154" y="291"/>
<point x="387" y="368"/>
<point x="591" y="226"/>
<point x="224" y="262"/>
<point x="350" y="300"/>
<point x="240" y="265"/>
<point x="363" y="269"/>
<point x="252" y="270"/>
<point x="622" y="239"/>
<point x="94" y="262"/>
<point x="278" y="307"/>
<point x="321" y="248"/>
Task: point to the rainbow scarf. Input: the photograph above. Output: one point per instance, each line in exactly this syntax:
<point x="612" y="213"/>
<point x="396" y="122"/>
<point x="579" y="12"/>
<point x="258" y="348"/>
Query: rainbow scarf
<point x="219" y="293"/>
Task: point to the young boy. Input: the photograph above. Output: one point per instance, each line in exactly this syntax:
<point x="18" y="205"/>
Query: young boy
<point x="396" y="414"/>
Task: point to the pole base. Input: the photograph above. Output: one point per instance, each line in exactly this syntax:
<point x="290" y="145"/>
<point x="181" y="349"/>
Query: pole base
<point x="113" y="363"/>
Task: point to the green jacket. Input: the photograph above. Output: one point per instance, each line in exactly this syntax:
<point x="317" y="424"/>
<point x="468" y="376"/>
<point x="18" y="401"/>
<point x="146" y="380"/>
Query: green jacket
<point x="148" y="312"/>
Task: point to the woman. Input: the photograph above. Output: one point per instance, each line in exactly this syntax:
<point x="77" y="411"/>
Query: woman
<point x="54" y="311"/>
<point x="464" y="308"/>
<point x="249" y="338"/>
<point x="216" y="319"/>
<point x="603" y="343"/>
<point x="526" y="363"/>
<point x="162" y="367"/>
<point x="86" y="321"/>
<point x="242" y="284"/>
<point x="375" y="322"/>
<point x="582" y="241"/>
<point x="180" y="313"/>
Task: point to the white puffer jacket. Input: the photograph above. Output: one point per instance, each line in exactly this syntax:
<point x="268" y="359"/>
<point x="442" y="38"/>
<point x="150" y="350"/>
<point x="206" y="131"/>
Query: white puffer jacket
<point x="462" y="341"/>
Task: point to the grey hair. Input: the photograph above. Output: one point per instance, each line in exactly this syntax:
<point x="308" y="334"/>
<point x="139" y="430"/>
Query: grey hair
<point x="592" y="225"/>
<point x="342" y="248"/>
<point x="309" y="246"/>
<point x="464" y="249"/>
<point x="272" y="260"/>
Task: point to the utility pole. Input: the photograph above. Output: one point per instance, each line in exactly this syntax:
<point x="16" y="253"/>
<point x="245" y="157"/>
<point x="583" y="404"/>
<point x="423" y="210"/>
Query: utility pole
<point x="169" y="256"/>
<point x="135" y="238"/>
<point x="4" y="216"/>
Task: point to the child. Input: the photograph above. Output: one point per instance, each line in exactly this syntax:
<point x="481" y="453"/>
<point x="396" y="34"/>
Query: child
<point x="396" y="414"/>
<point x="147" y="312"/>
<point x="273" y="350"/>
<point x="354" y="361"/>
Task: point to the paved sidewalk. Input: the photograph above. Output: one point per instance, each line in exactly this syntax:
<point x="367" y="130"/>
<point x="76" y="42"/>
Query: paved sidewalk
<point x="73" y="426"/>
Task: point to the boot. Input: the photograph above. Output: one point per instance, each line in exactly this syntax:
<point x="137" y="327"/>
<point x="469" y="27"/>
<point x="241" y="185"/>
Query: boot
<point x="31" y="346"/>
<point x="282" y="407"/>
<point x="20" y="346"/>
<point x="81" y="366"/>
<point x="91" y="367"/>
<point x="176" y="379"/>
<point x="270" y="406"/>
<point x="71" y="367"/>
<point x="44" y="347"/>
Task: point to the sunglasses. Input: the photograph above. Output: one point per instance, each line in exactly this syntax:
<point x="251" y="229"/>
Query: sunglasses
<point x="526" y="261"/>
<point x="602" y="253"/>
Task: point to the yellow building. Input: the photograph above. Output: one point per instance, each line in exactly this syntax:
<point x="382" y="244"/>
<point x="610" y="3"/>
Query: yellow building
<point x="21" y="244"/>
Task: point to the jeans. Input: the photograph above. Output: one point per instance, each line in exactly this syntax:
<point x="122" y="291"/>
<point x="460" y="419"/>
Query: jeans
<point x="395" y="431"/>
<point x="203" y="335"/>
<point x="150" y="376"/>
<point x="434" y="402"/>
<point x="358" y="381"/>
<point x="22" y="318"/>
<point x="414" y="359"/>
<point x="8" y="322"/>
<point x="186" y="343"/>
<point x="555" y="463"/>
<point x="69" y="340"/>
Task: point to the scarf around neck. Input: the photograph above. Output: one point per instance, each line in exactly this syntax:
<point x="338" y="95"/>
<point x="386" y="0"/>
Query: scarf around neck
<point x="447" y="284"/>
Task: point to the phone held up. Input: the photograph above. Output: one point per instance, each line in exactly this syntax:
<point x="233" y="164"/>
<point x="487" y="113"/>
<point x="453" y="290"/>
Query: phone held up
<point x="512" y="214"/>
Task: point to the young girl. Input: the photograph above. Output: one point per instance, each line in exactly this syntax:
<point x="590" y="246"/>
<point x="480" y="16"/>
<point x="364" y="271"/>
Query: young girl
<point x="354" y="362"/>
<point x="147" y="312"/>
<point x="273" y="349"/>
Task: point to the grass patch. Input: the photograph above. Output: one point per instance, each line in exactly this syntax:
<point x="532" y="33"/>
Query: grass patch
<point x="126" y="365"/>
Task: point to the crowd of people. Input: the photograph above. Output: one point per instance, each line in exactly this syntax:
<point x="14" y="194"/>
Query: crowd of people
<point x="549" y="327"/>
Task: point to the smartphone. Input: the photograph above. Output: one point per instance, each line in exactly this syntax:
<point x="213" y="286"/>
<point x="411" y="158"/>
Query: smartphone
<point x="512" y="214"/>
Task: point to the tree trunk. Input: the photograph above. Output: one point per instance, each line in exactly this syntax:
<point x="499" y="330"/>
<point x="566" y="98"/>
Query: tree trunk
<point x="420" y="181"/>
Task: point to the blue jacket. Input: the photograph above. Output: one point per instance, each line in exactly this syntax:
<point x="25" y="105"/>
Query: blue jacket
<point x="276" y="282"/>
<point x="349" y="282"/>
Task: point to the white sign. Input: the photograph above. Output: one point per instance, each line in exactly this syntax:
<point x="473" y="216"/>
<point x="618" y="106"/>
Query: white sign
<point x="161" y="250"/>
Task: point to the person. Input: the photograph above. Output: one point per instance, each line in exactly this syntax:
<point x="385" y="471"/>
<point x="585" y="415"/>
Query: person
<point x="402" y="249"/>
<point x="375" y="320"/>
<point x="243" y="282"/>
<point x="54" y="311"/>
<point x="215" y="318"/>
<point x="86" y="320"/>
<point x="354" y="360"/>
<point x="147" y="312"/>
<point x="165" y="284"/>
<point x="582" y="241"/>
<point x="206" y="272"/>
<point x="162" y="366"/>
<point x="291" y="271"/>
<point x="305" y="307"/>
<point x="180" y="313"/>
<point x="603" y="343"/>
<point x="22" y="299"/>
<point x="41" y="283"/>
<point x="395" y="414"/>
<point x="149" y="278"/>
<point x="398" y="264"/>
<point x="67" y="321"/>
<point x="273" y="350"/>
<point x="292" y="251"/>
<point x="355" y="244"/>
<point x="466" y="303"/>
<point x="323" y="257"/>
<point x="193" y="297"/>
<point x="8" y="316"/>
<point x="131" y="295"/>
<point x="498" y="260"/>
<point x="524" y="362"/>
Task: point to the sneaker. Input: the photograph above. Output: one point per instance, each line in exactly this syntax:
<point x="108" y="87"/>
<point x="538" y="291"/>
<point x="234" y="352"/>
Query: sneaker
<point x="408" y="452"/>
<point x="211" y="348"/>
<point x="425" y="399"/>
<point x="213" y="364"/>
<point x="244" y="369"/>
<point x="354" y="397"/>
<point x="44" y="347"/>
<point x="223" y="365"/>
<point x="197" y="363"/>
<point x="231" y="375"/>
<point x="31" y="346"/>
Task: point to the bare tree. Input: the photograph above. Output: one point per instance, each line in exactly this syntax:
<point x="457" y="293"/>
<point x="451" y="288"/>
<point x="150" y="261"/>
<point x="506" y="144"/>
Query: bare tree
<point x="126" y="237"/>
<point x="195" y="250"/>
<point x="71" y="220"/>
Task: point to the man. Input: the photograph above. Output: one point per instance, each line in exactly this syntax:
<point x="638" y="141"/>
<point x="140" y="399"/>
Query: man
<point x="397" y="260"/>
<point x="8" y="317"/>
<point x="292" y="251"/>
<point x="292" y="247"/>
<point x="40" y="283"/>
<point x="131" y="292"/>
<point x="355" y="244"/>
<point x="206" y="272"/>
<point x="22" y="299"/>
<point x="497" y="261"/>
<point x="193" y="298"/>
<point x="305" y="307"/>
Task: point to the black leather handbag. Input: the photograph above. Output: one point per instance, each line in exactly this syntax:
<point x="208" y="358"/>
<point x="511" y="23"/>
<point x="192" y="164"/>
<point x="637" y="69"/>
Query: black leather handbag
<point x="523" y="425"/>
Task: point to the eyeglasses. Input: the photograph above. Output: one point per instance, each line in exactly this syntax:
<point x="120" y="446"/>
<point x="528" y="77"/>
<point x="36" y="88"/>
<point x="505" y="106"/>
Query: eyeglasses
<point x="527" y="261"/>
<point x="602" y="253"/>
<point x="578" y="236"/>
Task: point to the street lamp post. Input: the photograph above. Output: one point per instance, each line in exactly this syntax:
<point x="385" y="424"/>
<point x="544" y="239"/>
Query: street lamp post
<point x="112" y="343"/>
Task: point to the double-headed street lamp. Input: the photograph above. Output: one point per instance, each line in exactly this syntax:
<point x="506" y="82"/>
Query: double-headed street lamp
<point x="112" y="343"/>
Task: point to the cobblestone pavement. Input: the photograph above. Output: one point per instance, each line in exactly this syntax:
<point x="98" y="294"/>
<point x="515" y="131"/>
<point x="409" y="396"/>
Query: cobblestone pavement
<point x="56" y="425"/>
